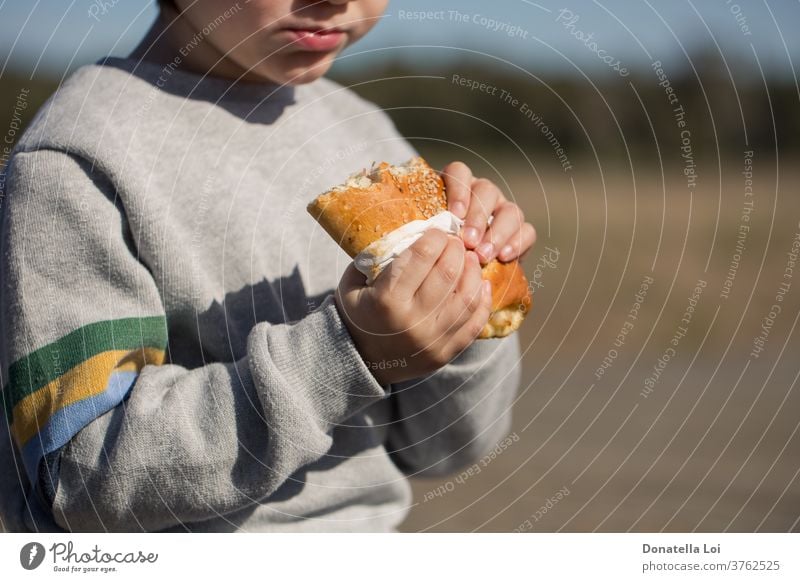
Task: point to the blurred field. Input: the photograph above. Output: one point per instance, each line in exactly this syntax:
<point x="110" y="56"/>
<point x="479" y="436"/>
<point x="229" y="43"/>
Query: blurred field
<point x="715" y="446"/>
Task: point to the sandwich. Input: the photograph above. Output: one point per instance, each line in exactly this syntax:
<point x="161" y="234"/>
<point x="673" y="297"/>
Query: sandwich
<point x="376" y="214"/>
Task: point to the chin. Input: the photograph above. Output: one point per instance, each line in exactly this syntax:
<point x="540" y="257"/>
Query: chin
<point x="305" y="77"/>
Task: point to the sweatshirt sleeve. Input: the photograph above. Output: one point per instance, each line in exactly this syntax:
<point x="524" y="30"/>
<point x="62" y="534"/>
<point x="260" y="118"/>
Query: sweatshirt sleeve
<point x="141" y="443"/>
<point x="453" y="417"/>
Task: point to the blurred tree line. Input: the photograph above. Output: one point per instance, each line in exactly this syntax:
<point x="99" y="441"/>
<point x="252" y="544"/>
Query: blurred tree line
<point x="602" y="114"/>
<point x="605" y="114"/>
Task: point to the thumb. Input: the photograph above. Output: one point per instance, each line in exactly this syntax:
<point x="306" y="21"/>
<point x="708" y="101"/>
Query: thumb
<point x="352" y="280"/>
<point x="351" y="284"/>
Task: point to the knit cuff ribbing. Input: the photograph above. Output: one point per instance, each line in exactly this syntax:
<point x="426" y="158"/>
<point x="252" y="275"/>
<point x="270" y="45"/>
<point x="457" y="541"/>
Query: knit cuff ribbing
<point x="317" y="360"/>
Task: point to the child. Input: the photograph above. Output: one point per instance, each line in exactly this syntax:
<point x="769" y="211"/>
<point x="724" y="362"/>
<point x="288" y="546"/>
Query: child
<point x="174" y="355"/>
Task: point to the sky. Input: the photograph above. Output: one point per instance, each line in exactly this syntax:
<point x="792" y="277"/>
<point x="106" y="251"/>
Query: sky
<point x="52" y="37"/>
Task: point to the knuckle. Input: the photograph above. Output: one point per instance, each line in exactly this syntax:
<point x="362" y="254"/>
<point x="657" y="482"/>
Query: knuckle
<point x="471" y="301"/>
<point x="475" y="329"/>
<point x="458" y="166"/>
<point x="480" y="210"/>
<point x="474" y="271"/>
<point x="481" y="314"/>
<point x="429" y="246"/>
<point x="518" y="213"/>
<point x="477" y="295"/>
<point x="454" y="246"/>
<point x="423" y="251"/>
<point x="436" y="238"/>
<point x="448" y="271"/>
<point x="486" y="306"/>
<point x="471" y="296"/>
<point x="483" y="184"/>
<point x="511" y="214"/>
<point x="487" y="191"/>
<point x="451" y="264"/>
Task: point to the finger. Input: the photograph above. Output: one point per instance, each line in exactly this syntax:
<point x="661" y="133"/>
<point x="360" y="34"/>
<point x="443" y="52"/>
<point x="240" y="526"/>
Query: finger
<point x="506" y="225"/>
<point x="444" y="276"/>
<point x="465" y="336"/>
<point x="457" y="182"/>
<point x="467" y="297"/>
<point x="482" y="204"/>
<point x="410" y="269"/>
<point x="519" y="244"/>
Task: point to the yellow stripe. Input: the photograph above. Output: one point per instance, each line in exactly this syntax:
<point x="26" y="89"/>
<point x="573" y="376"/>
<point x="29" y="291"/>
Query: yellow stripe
<point x="85" y="380"/>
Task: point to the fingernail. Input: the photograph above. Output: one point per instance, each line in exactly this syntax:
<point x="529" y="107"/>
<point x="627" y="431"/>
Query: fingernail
<point x="487" y="288"/>
<point x="471" y="256"/>
<point x="506" y="251"/>
<point x="459" y="209"/>
<point x="486" y="250"/>
<point x="471" y="235"/>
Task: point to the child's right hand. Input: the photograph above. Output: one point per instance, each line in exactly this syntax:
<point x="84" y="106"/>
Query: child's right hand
<point x="425" y="308"/>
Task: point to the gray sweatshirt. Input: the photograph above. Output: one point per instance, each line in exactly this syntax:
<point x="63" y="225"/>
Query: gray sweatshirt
<point x="172" y="358"/>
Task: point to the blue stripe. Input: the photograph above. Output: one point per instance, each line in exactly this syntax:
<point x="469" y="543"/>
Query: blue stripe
<point x="68" y="421"/>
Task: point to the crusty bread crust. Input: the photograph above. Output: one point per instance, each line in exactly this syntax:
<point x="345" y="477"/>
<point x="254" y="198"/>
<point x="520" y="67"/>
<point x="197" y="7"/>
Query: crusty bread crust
<point x="511" y="298"/>
<point x="371" y="205"/>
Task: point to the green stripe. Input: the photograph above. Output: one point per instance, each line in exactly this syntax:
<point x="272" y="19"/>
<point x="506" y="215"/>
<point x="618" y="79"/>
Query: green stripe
<point x="28" y="374"/>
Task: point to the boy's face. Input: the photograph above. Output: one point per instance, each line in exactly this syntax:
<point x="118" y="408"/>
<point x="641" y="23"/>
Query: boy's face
<point x="280" y="40"/>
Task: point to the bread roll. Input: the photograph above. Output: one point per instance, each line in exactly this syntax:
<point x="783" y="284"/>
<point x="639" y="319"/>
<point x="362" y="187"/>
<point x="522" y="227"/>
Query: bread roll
<point x="370" y="205"/>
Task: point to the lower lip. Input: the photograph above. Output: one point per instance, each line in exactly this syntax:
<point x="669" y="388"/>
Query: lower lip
<point x="317" y="41"/>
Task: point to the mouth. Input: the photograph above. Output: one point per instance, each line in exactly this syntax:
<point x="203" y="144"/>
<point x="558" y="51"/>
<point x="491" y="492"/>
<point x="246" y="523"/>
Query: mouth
<point x="316" y="39"/>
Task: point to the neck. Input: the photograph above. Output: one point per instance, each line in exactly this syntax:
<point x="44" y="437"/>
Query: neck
<point x="172" y="32"/>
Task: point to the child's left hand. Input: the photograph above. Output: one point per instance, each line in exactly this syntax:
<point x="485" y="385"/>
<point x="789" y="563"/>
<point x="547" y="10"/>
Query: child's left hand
<point x="475" y="200"/>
